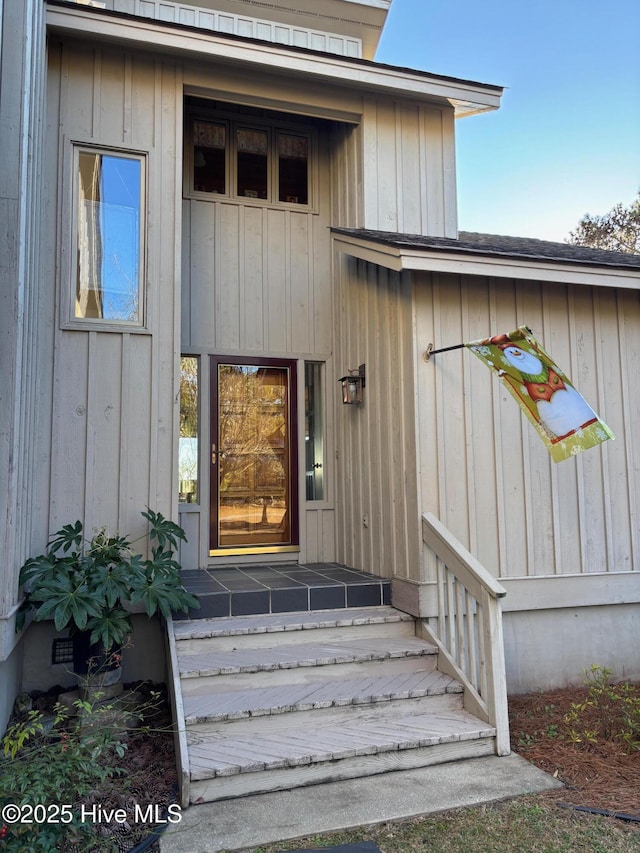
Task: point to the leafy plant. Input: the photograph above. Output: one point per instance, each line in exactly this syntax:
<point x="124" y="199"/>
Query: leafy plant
<point x="608" y="712"/>
<point x="87" y="584"/>
<point x="41" y="767"/>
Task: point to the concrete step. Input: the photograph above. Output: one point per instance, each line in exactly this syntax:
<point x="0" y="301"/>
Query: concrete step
<point x="346" y="747"/>
<point x="275" y="700"/>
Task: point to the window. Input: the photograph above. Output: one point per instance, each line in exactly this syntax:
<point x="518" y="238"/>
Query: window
<point x="253" y="162"/>
<point x="110" y="228"/>
<point x="209" y="157"/>
<point x="293" y="168"/>
<point x="188" y="442"/>
<point x="313" y="432"/>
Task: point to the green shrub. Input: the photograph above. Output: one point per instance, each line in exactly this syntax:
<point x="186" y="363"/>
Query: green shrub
<point x="608" y="712"/>
<point x="48" y="763"/>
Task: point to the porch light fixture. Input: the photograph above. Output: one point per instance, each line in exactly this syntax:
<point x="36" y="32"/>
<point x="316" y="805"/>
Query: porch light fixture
<point x="353" y="386"/>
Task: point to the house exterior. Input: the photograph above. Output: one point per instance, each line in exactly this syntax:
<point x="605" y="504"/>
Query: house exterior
<point x="213" y="211"/>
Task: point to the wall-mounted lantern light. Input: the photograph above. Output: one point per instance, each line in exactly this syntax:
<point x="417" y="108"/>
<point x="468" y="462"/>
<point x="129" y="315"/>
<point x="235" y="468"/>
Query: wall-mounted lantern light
<point x="353" y="386"/>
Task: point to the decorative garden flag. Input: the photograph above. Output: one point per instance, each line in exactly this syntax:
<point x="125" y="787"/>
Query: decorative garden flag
<point x="562" y="418"/>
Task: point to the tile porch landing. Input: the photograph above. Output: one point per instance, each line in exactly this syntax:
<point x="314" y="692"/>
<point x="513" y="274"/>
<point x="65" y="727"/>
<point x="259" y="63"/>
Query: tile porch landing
<point x="247" y="589"/>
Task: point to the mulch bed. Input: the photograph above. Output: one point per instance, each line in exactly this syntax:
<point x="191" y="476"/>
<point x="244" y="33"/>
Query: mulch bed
<point x="601" y="775"/>
<point x="149" y="776"/>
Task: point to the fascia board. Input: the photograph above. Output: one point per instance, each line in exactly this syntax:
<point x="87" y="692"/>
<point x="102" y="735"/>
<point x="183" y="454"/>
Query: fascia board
<point x="398" y="259"/>
<point x="154" y="36"/>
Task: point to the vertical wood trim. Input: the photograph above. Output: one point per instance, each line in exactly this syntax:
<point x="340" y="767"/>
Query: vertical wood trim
<point x="242" y="291"/>
<point x="628" y="418"/>
<point x="153" y="296"/>
<point x="555" y="499"/>
<point x="266" y="301"/>
<point x="126" y="433"/>
<point x="450" y="215"/>
<point x="599" y="407"/>
<point x="500" y="474"/>
<point x="90" y="446"/>
<point x="527" y="490"/>
<point x="128" y="100"/>
<point x="468" y="401"/>
<point x="573" y="373"/>
<point x="96" y="123"/>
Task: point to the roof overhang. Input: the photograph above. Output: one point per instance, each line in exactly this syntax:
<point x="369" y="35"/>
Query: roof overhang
<point x="359" y="75"/>
<point x="467" y="261"/>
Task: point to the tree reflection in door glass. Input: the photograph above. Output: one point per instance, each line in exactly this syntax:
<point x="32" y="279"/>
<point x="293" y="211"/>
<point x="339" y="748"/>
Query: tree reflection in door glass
<point x="253" y="455"/>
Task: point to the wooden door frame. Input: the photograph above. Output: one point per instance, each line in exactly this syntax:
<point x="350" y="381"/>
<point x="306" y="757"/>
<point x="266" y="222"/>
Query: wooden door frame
<point x="291" y="364"/>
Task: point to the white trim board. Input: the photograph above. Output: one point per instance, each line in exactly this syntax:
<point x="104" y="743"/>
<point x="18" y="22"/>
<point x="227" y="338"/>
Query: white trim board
<point x="552" y="592"/>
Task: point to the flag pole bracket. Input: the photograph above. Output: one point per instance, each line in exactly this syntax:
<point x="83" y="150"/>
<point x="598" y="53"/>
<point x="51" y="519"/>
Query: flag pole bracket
<point x="430" y="351"/>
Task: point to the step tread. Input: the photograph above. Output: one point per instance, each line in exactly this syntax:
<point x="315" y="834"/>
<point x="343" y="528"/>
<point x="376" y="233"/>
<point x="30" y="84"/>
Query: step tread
<point x="367" y="689"/>
<point x="219" y="755"/>
<point x="228" y="626"/>
<point x="233" y="661"/>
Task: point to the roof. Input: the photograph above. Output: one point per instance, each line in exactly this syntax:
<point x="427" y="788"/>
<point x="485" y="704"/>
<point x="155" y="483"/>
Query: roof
<point x="471" y="242"/>
<point x="492" y="254"/>
<point x="466" y="96"/>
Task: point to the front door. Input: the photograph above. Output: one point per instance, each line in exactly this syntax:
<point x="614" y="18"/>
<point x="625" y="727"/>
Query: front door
<point x="254" y="479"/>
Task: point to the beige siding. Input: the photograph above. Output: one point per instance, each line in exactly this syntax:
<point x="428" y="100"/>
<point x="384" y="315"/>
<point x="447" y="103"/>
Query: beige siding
<point x="377" y="524"/>
<point x="409" y="181"/>
<point x="257" y="278"/>
<point x="113" y="413"/>
<point x="483" y="470"/>
<point x="24" y="374"/>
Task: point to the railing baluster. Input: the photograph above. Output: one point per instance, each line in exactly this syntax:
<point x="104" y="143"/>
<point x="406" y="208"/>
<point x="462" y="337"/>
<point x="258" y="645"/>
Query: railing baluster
<point x="460" y="627"/>
<point x="472" y="640"/>
<point x="451" y="618"/>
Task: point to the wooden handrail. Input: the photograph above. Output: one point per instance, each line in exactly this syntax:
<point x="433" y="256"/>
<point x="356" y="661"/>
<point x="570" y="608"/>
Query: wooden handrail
<point x="469" y="628"/>
<point x="467" y="569"/>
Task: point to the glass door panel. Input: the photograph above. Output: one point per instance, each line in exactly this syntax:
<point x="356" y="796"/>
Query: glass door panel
<point x="254" y="502"/>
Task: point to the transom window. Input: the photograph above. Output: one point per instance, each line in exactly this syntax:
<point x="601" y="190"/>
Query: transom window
<point x="246" y="160"/>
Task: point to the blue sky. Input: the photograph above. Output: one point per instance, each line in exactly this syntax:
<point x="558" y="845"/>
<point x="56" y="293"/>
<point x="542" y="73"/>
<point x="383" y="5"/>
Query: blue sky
<point x="566" y="140"/>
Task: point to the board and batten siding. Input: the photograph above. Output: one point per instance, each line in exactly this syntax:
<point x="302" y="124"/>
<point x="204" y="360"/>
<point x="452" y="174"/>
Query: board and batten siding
<point x="483" y="470"/>
<point x="113" y="414"/>
<point x="256" y="280"/>
<point x="408" y="171"/>
<point x="377" y="523"/>
<point x="23" y="371"/>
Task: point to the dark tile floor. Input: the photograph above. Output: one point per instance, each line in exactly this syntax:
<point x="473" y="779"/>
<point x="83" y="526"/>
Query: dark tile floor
<point x="246" y="590"/>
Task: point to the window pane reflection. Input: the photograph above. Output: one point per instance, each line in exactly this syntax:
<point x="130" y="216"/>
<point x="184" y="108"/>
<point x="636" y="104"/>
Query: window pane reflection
<point x="188" y="446"/>
<point x="108" y="237"/>
<point x="313" y="432"/>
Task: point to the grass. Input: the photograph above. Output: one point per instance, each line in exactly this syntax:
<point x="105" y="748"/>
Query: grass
<point x="532" y="824"/>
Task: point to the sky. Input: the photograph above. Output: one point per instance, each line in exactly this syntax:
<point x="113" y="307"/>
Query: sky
<point x="566" y="139"/>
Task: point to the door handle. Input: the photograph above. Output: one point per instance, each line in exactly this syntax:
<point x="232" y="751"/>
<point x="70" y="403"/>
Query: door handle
<point x="214" y="455"/>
